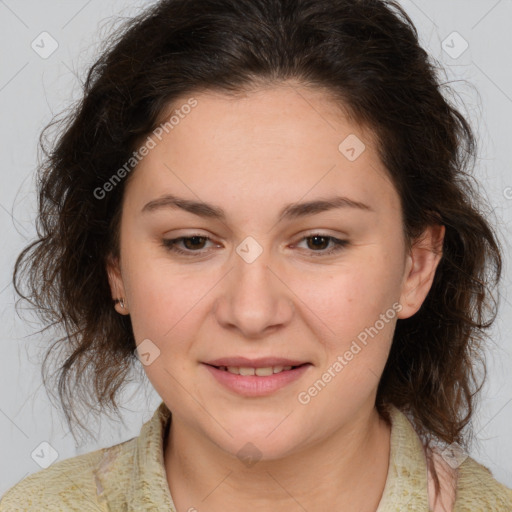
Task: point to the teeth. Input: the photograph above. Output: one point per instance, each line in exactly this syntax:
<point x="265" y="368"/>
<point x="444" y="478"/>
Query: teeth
<point x="261" y="372"/>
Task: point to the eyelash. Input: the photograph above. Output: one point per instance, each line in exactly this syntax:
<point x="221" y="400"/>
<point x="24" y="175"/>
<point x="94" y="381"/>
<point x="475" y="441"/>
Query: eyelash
<point x="171" y="245"/>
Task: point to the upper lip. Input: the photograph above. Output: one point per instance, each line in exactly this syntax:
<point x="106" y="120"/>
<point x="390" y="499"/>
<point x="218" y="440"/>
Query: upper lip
<point x="261" y="362"/>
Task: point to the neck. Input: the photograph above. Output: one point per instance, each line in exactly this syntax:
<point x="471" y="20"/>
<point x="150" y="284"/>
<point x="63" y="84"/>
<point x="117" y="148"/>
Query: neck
<point x="348" y="467"/>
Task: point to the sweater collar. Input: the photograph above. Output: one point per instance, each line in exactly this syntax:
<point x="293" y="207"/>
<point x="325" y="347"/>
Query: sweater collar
<point x="406" y="483"/>
<point x="131" y="475"/>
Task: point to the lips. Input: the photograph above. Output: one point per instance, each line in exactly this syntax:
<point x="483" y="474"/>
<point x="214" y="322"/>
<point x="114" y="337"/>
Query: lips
<point x="254" y="380"/>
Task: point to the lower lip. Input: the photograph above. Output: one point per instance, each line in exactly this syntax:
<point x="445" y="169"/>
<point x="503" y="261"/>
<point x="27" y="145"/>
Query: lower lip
<point x="252" y="385"/>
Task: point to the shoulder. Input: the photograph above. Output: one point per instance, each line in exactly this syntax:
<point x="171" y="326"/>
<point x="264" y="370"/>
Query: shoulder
<point x="67" y="485"/>
<point x="478" y="490"/>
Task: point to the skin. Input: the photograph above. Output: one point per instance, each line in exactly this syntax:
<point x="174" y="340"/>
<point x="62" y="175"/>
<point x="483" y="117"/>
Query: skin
<point x="251" y="156"/>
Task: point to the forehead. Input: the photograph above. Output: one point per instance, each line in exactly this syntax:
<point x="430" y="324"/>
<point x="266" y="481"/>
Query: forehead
<point x="284" y="141"/>
<point x="283" y="115"/>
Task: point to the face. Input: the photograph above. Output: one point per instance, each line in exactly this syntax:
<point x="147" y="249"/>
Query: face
<point x="298" y="259"/>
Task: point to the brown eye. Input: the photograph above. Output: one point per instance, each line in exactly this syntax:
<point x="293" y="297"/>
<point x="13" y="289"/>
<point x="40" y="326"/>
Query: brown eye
<point x="192" y="244"/>
<point x="318" y="244"/>
<point x="318" y="241"/>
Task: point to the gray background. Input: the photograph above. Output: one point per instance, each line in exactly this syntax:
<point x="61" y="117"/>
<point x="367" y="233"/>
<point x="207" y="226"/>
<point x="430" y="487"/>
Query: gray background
<point x="33" y="88"/>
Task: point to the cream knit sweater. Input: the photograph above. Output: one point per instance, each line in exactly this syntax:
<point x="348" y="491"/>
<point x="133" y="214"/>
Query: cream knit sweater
<point x="130" y="477"/>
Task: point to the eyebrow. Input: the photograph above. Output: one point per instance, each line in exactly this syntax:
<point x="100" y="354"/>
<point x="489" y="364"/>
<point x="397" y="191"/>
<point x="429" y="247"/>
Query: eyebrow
<point x="291" y="211"/>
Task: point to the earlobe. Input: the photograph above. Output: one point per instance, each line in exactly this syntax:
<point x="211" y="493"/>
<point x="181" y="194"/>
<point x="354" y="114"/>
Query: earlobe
<point x="422" y="261"/>
<point x="116" y="285"/>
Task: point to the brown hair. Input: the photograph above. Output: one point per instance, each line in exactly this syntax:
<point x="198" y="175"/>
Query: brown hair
<point x="367" y="55"/>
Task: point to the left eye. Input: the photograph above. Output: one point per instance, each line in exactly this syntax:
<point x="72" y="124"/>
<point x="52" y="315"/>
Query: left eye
<point x="320" y="241"/>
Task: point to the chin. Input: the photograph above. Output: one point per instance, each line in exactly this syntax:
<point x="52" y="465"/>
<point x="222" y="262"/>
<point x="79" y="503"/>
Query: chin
<point x="262" y="441"/>
<point x="251" y="451"/>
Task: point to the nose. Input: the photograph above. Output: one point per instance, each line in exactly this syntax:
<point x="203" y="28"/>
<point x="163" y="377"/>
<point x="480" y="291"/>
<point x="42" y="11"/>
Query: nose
<point x="254" y="298"/>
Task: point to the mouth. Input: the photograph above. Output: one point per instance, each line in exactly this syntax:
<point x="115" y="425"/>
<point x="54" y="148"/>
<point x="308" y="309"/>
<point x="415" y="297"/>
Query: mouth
<point x="256" y="378"/>
<point x="262" y="371"/>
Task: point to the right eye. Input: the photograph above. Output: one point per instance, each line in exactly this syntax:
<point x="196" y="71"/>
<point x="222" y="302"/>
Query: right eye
<point x="193" y="244"/>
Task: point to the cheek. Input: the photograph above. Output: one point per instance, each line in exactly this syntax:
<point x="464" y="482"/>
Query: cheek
<point x="165" y="309"/>
<point x="353" y="296"/>
<point x="161" y="299"/>
<point x="354" y="318"/>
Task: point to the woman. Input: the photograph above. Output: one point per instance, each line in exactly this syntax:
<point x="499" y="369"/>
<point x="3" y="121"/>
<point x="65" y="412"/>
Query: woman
<point x="266" y="204"/>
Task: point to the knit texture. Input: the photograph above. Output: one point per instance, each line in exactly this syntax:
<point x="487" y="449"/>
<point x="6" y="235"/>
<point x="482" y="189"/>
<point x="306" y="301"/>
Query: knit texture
<point x="130" y="477"/>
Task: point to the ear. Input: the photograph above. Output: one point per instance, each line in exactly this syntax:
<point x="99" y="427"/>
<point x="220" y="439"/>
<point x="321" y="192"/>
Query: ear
<point x="117" y="289"/>
<point x="424" y="256"/>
